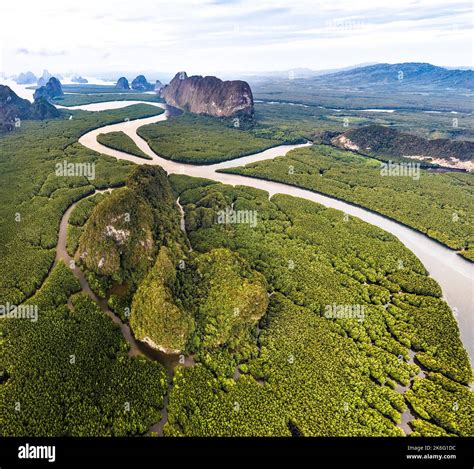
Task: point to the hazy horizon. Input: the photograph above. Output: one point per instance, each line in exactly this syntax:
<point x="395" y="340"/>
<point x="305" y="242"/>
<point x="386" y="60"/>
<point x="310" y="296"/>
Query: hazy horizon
<point x="231" y="36"/>
<point x="113" y="75"/>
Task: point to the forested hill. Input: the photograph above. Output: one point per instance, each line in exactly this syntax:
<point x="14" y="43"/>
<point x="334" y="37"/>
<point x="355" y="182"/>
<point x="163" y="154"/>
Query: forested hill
<point x="124" y="232"/>
<point x="378" y="140"/>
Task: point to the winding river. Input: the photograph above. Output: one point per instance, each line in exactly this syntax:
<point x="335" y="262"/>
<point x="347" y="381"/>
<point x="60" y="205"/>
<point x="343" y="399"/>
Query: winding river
<point x="451" y="271"/>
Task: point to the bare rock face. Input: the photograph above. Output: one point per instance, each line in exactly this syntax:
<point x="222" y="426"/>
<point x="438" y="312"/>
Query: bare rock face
<point x="140" y="83"/>
<point x="13" y="109"/>
<point x="209" y="95"/>
<point x="122" y="84"/>
<point x="43" y="79"/>
<point x="52" y="89"/>
<point x="158" y="86"/>
<point x="382" y="140"/>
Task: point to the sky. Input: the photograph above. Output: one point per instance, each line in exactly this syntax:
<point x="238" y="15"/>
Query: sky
<point x="93" y="37"/>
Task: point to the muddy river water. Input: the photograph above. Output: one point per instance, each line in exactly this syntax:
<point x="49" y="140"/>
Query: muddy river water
<point x="451" y="271"/>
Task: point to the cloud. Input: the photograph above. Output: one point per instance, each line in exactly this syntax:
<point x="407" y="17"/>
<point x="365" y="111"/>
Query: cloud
<point x="210" y="35"/>
<point x="41" y="52"/>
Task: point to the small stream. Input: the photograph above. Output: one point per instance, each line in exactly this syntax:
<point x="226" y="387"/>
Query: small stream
<point x="452" y="272"/>
<point x="169" y="361"/>
<point x="408" y="415"/>
<point x="136" y="347"/>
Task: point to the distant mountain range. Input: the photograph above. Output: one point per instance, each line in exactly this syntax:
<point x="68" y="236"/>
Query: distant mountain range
<point x="364" y="74"/>
<point x="403" y="86"/>
<point x="299" y="72"/>
<point x="410" y="74"/>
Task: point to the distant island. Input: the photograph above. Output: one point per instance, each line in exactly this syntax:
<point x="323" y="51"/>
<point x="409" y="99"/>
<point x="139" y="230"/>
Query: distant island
<point x="52" y="89"/>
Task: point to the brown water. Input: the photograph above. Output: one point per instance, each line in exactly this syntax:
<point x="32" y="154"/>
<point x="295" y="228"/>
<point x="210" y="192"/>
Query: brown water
<point x="408" y="415"/>
<point x="136" y="347"/>
<point x="452" y="272"/>
<point x="110" y="105"/>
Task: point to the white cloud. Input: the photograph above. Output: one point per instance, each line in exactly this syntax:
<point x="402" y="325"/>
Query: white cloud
<point x="203" y="36"/>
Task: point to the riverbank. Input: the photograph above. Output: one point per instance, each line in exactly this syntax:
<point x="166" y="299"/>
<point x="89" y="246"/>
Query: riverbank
<point x="451" y="271"/>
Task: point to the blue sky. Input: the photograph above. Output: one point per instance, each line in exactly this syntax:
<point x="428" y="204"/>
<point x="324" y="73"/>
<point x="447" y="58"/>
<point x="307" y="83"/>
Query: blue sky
<point x="210" y="36"/>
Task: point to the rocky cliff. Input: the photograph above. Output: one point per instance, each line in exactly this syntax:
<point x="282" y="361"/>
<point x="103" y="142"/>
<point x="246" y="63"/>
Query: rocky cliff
<point x="26" y="78"/>
<point x="209" y="95"/>
<point x="79" y="79"/>
<point x="121" y="237"/>
<point x="140" y="83"/>
<point x="122" y="84"/>
<point x="52" y="89"/>
<point x="43" y="79"/>
<point x="13" y="109"/>
<point x="158" y="86"/>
